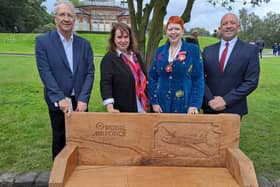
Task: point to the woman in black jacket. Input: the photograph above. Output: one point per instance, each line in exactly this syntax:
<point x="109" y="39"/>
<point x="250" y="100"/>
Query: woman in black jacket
<point x="123" y="74"/>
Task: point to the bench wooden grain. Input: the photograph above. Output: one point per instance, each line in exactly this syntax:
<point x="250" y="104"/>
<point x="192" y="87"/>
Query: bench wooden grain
<point x="152" y="150"/>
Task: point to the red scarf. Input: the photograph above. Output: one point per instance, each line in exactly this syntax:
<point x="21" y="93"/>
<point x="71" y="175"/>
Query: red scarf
<point x="140" y="79"/>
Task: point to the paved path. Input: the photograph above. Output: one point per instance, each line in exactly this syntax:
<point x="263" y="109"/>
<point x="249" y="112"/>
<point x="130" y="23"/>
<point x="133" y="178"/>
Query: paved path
<point x="265" y="54"/>
<point x="16" y="54"/>
<point x="268" y="53"/>
<point x="29" y="54"/>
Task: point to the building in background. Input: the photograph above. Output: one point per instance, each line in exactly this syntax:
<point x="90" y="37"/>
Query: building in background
<point x="100" y="15"/>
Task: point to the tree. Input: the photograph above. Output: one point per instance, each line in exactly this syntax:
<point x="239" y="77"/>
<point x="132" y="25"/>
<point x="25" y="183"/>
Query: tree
<point x="254" y="28"/>
<point x="44" y="28"/>
<point x="227" y="3"/>
<point x="251" y="26"/>
<point x="76" y="3"/>
<point x="271" y="28"/>
<point x="140" y="15"/>
<point x="140" y="20"/>
<point x="22" y="15"/>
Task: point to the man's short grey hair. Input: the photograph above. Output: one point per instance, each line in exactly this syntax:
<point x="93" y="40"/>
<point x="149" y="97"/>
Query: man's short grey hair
<point x="229" y="13"/>
<point x="66" y="2"/>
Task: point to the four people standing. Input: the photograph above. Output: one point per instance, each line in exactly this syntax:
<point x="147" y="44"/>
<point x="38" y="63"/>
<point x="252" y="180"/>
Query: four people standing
<point x="65" y="65"/>
<point x="176" y="76"/>
<point x="231" y="70"/>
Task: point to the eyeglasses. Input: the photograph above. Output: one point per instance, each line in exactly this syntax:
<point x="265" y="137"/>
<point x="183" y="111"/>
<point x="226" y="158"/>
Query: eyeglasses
<point x="64" y="15"/>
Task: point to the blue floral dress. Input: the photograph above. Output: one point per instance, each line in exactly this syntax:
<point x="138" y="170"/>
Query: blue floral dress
<point x="178" y="85"/>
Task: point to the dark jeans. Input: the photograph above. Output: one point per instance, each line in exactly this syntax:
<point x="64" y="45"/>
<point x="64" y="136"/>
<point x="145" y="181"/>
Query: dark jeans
<point x="58" y="129"/>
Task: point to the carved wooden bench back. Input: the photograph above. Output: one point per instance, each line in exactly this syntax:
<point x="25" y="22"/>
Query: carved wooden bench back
<point x="152" y="139"/>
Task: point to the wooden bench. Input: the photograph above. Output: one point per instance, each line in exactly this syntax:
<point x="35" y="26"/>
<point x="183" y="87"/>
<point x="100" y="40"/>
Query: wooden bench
<point x="152" y="150"/>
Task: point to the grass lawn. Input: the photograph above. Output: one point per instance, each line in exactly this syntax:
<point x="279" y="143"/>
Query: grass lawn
<point x="14" y="43"/>
<point x="24" y="43"/>
<point x="260" y="131"/>
<point x="25" y="132"/>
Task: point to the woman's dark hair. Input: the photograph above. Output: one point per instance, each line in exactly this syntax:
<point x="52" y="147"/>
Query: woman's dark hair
<point x="122" y="27"/>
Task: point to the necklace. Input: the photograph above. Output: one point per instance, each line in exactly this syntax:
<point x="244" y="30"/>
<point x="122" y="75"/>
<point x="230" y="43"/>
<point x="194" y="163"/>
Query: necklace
<point x="172" y="56"/>
<point x="173" y="53"/>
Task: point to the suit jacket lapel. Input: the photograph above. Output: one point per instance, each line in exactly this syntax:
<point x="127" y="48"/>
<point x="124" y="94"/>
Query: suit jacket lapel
<point x="76" y="53"/>
<point x="127" y="69"/>
<point x="233" y="55"/>
<point x="165" y="54"/>
<point x="216" y="54"/>
<point x="59" y="47"/>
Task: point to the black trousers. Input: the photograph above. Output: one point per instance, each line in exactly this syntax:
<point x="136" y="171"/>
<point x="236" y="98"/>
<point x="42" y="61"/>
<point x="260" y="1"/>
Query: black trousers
<point x="58" y="129"/>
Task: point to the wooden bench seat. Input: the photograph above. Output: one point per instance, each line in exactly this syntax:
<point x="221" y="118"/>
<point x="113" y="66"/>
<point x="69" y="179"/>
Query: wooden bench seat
<point x="152" y="150"/>
<point x="140" y="176"/>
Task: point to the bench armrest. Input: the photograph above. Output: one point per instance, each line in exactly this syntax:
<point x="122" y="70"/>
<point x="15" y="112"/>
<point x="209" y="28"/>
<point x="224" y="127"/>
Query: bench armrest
<point x="63" y="166"/>
<point x="241" y="168"/>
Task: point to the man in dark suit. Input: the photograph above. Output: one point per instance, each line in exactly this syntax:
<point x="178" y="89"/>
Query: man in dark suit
<point x="260" y="44"/>
<point x="65" y="65"/>
<point x="231" y="70"/>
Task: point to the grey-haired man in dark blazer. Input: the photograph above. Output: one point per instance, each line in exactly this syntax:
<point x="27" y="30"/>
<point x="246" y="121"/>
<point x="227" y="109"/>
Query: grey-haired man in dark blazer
<point x="65" y="65"/>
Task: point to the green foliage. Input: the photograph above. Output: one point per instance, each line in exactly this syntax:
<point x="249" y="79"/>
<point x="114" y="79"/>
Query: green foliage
<point x="201" y="31"/>
<point x="254" y="28"/>
<point x="44" y="28"/>
<point x="75" y="2"/>
<point x="227" y="3"/>
<point x="22" y="15"/>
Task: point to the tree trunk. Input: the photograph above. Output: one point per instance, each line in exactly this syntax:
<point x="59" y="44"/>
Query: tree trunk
<point x="186" y="16"/>
<point x="156" y="31"/>
<point x="140" y="20"/>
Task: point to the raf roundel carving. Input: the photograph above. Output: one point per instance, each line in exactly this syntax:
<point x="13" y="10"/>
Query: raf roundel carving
<point x="100" y="126"/>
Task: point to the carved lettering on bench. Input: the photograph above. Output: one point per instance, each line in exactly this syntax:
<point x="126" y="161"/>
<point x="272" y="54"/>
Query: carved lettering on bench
<point x="109" y="130"/>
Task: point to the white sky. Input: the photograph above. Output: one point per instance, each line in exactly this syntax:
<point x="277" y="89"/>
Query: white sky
<point x="204" y="14"/>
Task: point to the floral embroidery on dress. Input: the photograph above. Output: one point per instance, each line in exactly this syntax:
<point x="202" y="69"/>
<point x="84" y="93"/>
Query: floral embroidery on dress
<point x="159" y="57"/>
<point x="179" y="93"/>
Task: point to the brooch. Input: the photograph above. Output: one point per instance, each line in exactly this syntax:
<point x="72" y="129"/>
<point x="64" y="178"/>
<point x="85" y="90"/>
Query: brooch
<point x="190" y="68"/>
<point x="168" y="68"/>
<point x="179" y="93"/>
<point x="182" y="55"/>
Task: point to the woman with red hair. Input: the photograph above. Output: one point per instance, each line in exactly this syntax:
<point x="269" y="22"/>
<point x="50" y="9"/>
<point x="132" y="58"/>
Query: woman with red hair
<point x="176" y="82"/>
